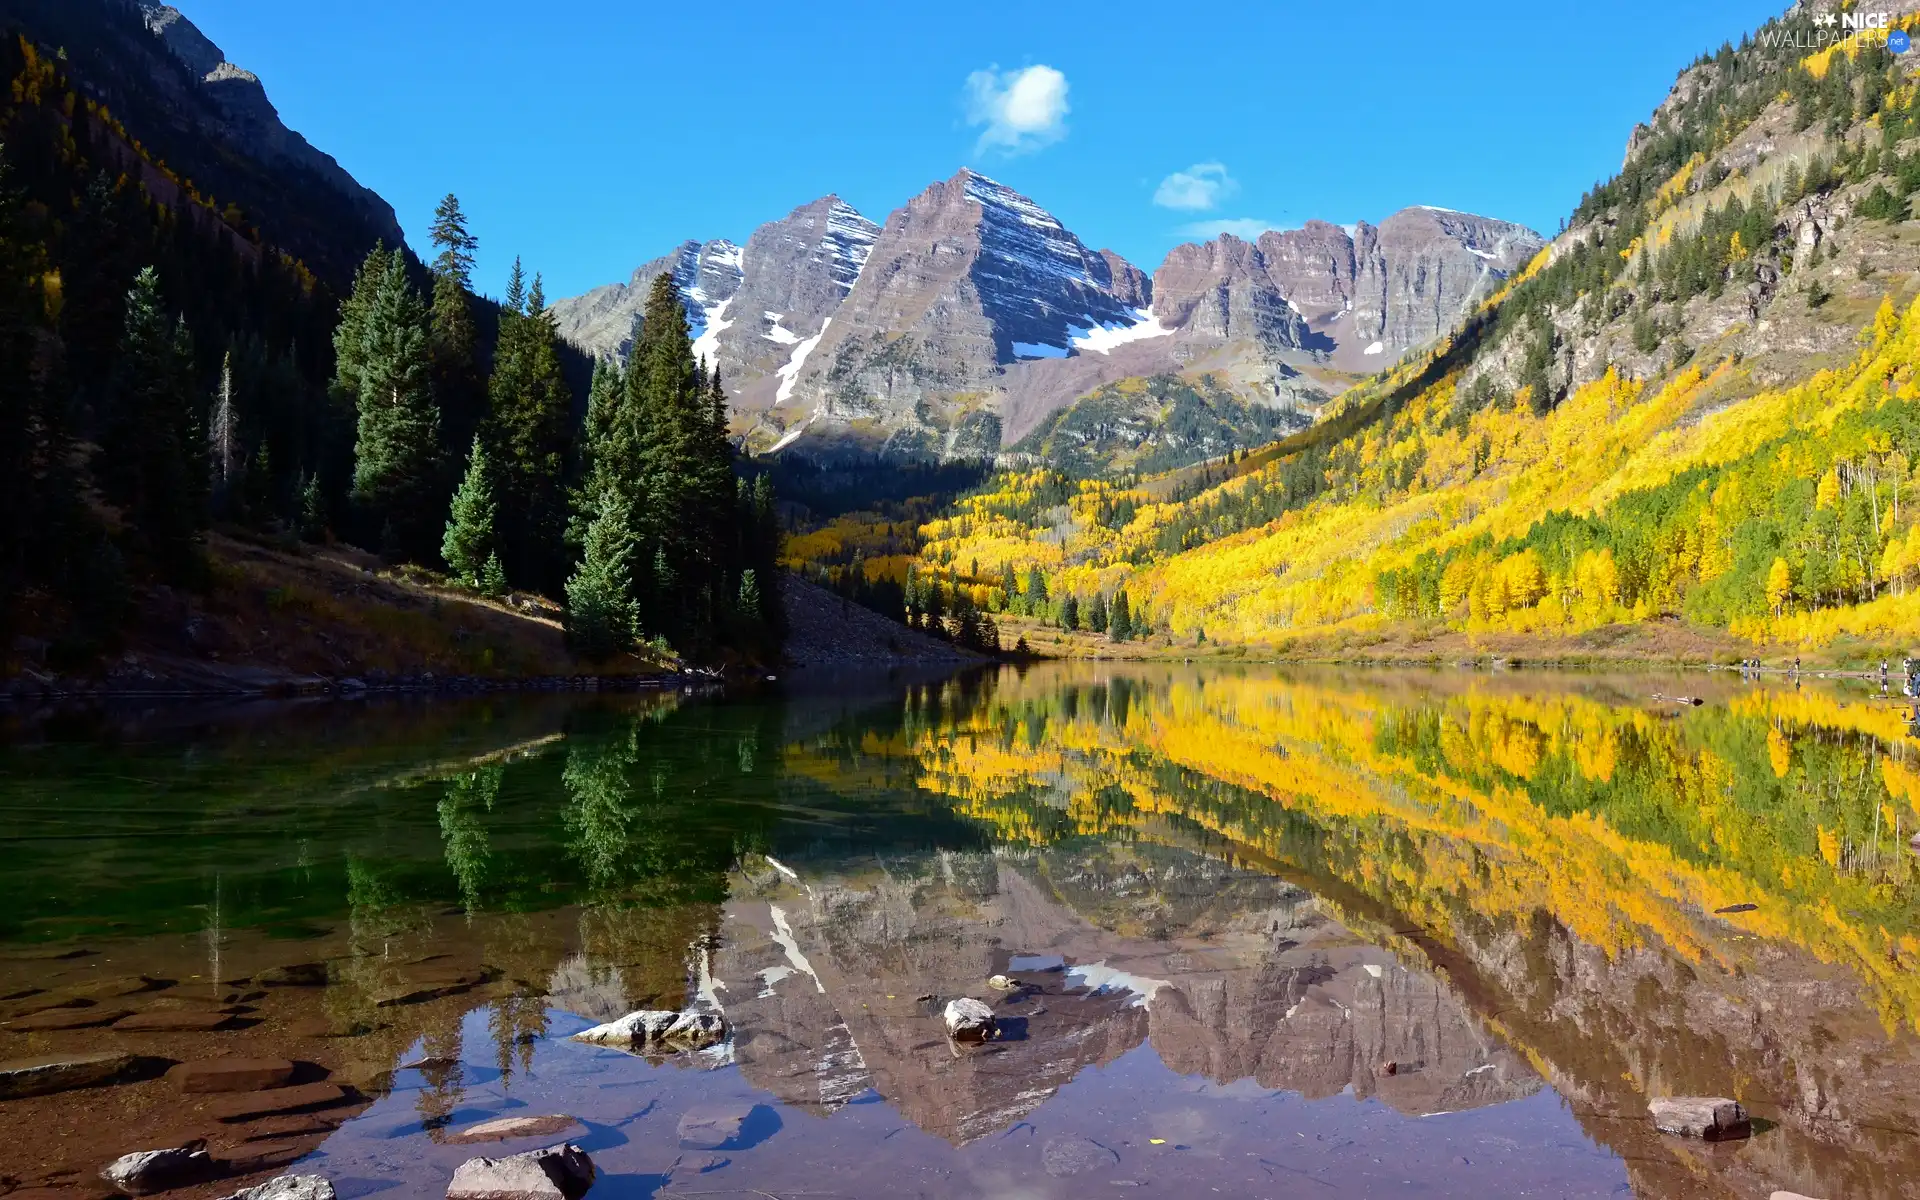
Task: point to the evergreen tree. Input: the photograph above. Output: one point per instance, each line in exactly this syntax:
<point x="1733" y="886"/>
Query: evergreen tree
<point x="396" y="468"/>
<point x="350" y="334"/>
<point x="493" y="577"/>
<point x="601" y="615"/>
<point x="749" y="602"/>
<point x="454" y="342"/>
<point x="470" y="540"/>
<point x="530" y="423"/>
<point x="1120" y="618"/>
<point x="155" y="442"/>
<point x="1096" y="613"/>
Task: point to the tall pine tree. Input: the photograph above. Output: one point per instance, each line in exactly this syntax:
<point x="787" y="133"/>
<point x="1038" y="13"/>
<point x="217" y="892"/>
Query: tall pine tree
<point x="396" y="459"/>
<point x="456" y="377"/>
<point x="471" y="540"/>
<point x="531" y="427"/>
<point x="154" y="440"/>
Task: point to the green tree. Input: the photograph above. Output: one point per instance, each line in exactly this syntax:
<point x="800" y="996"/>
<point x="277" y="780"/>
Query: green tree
<point x="155" y="441"/>
<point x="1120" y="617"/>
<point x="454" y="340"/>
<point x="471" y="538"/>
<point x="602" y="618"/>
<point x="396" y="467"/>
<point x="530" y="423"/>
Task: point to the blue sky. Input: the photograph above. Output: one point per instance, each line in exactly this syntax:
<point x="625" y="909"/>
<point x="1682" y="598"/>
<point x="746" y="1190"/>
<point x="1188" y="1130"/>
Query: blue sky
<point x="590" y="135"/>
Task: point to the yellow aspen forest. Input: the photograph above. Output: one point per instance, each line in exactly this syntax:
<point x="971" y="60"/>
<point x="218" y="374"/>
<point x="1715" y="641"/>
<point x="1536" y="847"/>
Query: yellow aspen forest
<point x="1788" y="515"/>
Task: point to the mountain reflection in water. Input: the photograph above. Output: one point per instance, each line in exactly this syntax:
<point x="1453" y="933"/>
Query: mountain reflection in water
<point x="1362" y="933"/>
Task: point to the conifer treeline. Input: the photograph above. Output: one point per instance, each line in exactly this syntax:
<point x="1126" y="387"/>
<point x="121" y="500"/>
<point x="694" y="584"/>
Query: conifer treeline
<point x="156" y="356"/>
<point x="639" y="518"/>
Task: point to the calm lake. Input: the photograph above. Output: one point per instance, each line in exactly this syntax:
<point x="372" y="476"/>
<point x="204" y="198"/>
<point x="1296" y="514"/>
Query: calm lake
<point x="1274" y="933"/>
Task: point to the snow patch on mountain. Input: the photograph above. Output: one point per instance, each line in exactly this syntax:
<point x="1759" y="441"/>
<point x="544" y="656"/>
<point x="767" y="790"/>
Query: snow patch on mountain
<point x="1103" y="338"/>
<point x="849" y="241"/>
<point x="777" y="332"/>
<point x="1029" y="350"/>
<point x="713" y="322"/>
<point x="790" y="373"/>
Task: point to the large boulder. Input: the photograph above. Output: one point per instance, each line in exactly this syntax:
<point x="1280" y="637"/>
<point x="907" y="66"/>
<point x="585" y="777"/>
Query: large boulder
<point x="659" y="1030"/>
<point x="970" y="1020"/>
<point x="1714" y="1118"/>
<point x="146" y="1171"/>
<point x="562" y="1172"/>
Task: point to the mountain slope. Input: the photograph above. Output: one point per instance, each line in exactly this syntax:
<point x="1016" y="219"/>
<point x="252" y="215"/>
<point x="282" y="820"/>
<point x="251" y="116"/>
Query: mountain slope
<point x="1698" y="403"/>
<point x="211" y="123"/>
<point x="975" y="317"/>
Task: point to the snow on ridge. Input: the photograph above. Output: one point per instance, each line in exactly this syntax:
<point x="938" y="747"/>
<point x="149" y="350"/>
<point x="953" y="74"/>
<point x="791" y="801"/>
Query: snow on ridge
<point x="779" y="333"/>
<point x="790" y="373"/>
<point x="1102" y="339"/>
<point x="713" y="321"/>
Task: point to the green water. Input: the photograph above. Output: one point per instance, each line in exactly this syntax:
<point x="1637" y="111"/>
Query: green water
<point x="1602" y="895"/>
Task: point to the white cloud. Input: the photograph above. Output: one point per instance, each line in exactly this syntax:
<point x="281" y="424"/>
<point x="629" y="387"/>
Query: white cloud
<point x="1245" y="228"/>
<point x="1199" y="188"/>
<point x="1020" y="110"/>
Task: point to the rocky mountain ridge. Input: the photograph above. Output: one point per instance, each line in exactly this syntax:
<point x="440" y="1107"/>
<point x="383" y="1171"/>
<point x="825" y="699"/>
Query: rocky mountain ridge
<point x="974" y="317"/>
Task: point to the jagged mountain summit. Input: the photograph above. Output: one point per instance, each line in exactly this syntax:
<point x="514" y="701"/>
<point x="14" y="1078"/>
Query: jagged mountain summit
<point x="974" y="318"/>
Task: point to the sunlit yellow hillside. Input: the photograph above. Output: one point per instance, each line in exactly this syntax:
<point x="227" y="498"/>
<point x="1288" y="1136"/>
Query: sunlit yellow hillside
<point x="1699" y="405"/>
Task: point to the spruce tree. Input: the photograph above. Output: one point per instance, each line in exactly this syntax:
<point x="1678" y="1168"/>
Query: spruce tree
<point x="1119" y="618"/>
<point x="454" y="342"/>
<point x="396" y="468"/>
<point x="155" y="442"/>
<point x="350" y="334"/>
<point x="601" y="616"/>
<point x="471" y="539"/>
<point x="223" y="437"/>
<point x="530" y="420"/>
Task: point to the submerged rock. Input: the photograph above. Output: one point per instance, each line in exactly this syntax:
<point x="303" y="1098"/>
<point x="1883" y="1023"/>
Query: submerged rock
<point x="562" y="1172"/>
<point x="231" y="1074"/>
<point x="1714" y="1118"/>
<point x="970" y="1020"/>
<point x="147" y="1171"/>
<point x="501" y="1129"/>
<point x="59" y="1072"/>
<point x="659" y="1029"/>
<point x="288" y="1187"/>
<point x="1062" y="1157"/>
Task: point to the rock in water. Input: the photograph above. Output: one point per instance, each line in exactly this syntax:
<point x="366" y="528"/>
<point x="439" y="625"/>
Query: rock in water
<point x="288" y="1187"/>
<point x="1714" y="1118"/>
<point x="562" y="1172"/>
<point x="1062" y="1157"/>
<point x="501" y="1129"/>
<point x="159" y="1170"/>
<point x="231" y="1074"/>
<point x="58" y="1072"/>
<point x="969" y="1020"/>
<point x="713" y="1127"/>
<point x="658" y="1029"/>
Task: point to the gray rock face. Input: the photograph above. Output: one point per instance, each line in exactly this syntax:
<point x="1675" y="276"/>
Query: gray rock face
<point x="974" y="315"/>
<point x="789" y="279"/>
<point x="561" y="1172"/>
<point x="252" y="124"/>
<point x="1223" y="290"/>
<point x="1714" y="1118"/>
<point x="147" y="1171"/>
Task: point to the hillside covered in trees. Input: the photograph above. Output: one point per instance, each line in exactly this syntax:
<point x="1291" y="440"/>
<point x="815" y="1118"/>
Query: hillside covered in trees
<point x="1698" y="403"/>
<point x="172" y="370"/>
